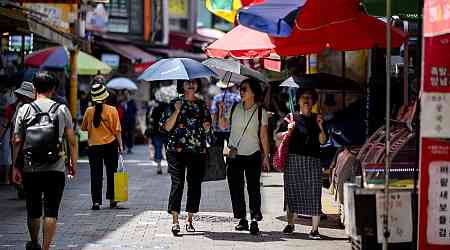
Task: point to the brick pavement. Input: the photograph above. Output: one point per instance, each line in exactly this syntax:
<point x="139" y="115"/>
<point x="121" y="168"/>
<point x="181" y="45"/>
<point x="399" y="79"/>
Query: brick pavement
<point x="146" y="225"/>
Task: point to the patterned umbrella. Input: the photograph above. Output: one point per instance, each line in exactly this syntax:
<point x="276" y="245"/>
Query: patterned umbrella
<point x="58" y="58"/>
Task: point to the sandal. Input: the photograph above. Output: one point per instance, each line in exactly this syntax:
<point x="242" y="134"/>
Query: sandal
<point x="189" y="227"/>
<point x="175" y="229"/>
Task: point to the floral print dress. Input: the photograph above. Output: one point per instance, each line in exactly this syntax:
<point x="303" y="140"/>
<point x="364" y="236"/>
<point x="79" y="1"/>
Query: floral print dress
<point x="188" y="134"/>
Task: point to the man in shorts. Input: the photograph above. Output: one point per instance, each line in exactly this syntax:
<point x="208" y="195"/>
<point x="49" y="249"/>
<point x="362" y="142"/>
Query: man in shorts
<point x="43" y="182"/>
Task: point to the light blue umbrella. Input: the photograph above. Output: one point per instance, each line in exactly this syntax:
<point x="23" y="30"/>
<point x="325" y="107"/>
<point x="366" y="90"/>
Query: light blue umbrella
<point x="176" y="69"/>
<point x="290" y="83"/>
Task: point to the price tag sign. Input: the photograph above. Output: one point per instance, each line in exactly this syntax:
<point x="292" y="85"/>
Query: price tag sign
<point x="435" y="115"/>
<point x="400" y="217"/>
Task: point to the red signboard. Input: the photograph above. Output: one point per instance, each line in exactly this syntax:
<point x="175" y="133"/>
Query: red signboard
<point x="436" y="68"/>
<point x="436" y="17"/>
<point x="433" y="152"/>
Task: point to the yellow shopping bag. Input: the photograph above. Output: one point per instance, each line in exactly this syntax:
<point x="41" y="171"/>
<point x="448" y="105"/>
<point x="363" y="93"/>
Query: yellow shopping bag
<point x="121" y="182"/>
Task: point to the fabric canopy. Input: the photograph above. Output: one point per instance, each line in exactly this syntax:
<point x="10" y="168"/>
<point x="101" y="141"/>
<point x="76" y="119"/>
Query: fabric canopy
<point x="274" y="17"/>
<point x="242" y="43"/>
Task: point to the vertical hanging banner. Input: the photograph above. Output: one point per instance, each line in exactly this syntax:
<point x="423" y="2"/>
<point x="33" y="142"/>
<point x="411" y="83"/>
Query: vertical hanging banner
<point x="434" y="200"/>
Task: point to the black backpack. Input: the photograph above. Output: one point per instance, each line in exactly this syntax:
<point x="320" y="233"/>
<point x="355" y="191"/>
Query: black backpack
<point x="42" y="141"/>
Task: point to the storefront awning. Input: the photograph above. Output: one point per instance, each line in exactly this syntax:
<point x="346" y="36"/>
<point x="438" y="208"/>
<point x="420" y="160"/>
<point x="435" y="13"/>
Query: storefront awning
<point x="16" y="20"/>
<point x="177" y="53"/>
<point x="133" y="53"/>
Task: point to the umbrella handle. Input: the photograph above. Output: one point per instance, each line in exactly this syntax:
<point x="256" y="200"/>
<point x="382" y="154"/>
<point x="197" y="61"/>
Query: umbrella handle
<point x="226" y="78"/>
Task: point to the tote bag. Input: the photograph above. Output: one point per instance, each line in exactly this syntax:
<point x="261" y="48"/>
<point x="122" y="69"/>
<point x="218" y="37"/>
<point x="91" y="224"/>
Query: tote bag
<point x="121" y="182"/>
<point x="281" y="154"/>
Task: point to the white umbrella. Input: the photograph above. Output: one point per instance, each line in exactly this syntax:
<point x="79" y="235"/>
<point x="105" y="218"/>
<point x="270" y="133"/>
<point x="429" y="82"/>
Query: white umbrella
<point x="121" y="83"/>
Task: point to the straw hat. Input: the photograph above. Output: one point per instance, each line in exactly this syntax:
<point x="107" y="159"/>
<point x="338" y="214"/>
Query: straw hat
<point x="26" y="89"/>
<point x="99" y="93"/>
<point x="223" y="85"/>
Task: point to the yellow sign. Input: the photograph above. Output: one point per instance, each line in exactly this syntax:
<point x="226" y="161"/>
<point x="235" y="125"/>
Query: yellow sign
<point x="179" y="8"/>
<point x="59" y="15"/>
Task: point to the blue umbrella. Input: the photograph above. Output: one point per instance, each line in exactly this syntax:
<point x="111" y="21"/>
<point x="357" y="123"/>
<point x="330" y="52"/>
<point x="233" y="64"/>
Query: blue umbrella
<point x="176" y="69"/>
<point x="274" y="17"/>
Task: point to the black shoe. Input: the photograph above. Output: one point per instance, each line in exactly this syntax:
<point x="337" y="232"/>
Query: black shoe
<point x="175" y="229"/>
<point x="242" y="226"/>
<point x="254" y="229"/>
<point x="96" y="206"/>
<point x="189" y="227"/>
<point x="159" y="171"/>
<point x="289" y="229"/>
<point x="31" y="246"/>
<point x="314" y="235"/>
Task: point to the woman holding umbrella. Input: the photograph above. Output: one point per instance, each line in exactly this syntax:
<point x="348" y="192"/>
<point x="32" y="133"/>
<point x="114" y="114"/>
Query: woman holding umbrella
<point x="187" y="121"/>
<point x="302" y="173"/>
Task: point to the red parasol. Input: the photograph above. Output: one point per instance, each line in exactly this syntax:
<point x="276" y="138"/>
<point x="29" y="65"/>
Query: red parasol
<point x="341" y="25"/>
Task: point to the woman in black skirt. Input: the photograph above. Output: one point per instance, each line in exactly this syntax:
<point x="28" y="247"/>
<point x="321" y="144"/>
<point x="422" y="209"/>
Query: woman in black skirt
<point x="302" y="173"/>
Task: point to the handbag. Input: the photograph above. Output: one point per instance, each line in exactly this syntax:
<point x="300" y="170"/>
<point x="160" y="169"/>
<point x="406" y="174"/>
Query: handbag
<point x="215" y="169"/>
<point x="121" y="182"/>
<point x="280" y="157"/>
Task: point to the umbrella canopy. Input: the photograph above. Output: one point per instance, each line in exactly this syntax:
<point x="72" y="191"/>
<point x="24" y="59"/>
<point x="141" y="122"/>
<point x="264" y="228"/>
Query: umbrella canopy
<point x="274" y="17"/>
<point x="121" y="83"/>
<point x="176" y="69"/>
<point x="321" y="24"/>
<point x="224" y="66"/>
<point x="321" y="81"/>
<point x="58" y="58"/>
<point x="242" y="43"/>
<point x="227" y="9"/>
<point x="361" y="32"/>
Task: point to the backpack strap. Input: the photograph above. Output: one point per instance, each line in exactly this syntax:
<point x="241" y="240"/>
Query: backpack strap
<point x="259" y="120"/>
<point x="232" y="111"/>
<point x="35" y="107"/>
<point x="54" y="108"/>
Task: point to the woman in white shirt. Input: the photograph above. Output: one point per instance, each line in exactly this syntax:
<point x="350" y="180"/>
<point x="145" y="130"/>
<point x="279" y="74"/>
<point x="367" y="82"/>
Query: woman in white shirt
<point x="248" y="122"/>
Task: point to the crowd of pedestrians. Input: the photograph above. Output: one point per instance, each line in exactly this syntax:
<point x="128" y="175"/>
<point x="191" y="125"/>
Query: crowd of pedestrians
<point x="184" y="127"/>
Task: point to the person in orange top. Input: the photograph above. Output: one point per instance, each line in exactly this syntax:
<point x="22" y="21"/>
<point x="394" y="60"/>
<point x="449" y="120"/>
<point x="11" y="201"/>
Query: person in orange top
<point x="105" y="144"/>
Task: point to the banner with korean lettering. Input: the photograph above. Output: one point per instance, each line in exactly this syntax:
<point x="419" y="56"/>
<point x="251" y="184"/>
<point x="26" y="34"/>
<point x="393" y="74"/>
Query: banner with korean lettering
<point x="434" y="200"/>
<point x="436" y="63"/>
<point x="434" y="229"/>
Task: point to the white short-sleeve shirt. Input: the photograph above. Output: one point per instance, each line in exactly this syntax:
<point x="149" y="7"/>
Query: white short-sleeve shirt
<point x="247" y="143"/>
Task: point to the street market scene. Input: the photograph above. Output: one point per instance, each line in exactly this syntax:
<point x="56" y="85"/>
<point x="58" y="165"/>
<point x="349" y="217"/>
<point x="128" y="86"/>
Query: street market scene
<point x="225" y="124"/>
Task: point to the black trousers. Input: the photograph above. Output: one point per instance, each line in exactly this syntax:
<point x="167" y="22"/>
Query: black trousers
<point x="98" y="155"/>
<point x="250" y="166"/>
<point x="195" y="165"/>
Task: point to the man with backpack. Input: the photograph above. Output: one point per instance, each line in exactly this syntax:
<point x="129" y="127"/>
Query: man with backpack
<point x="39" y="130"/>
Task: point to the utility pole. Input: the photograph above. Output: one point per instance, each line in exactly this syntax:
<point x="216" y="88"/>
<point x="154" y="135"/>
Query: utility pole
<point x="73" y="65"/>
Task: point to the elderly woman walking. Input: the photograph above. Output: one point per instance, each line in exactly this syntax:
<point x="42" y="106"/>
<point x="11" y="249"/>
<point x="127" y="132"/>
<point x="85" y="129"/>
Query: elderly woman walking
<point x="187" y="121"/>
<point x="302" y="173"/>
<point x="105" y="143"/>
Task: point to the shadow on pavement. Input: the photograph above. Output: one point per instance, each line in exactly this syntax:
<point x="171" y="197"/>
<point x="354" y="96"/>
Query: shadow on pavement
<point x="264" y="236"/>
<point x="331" y="222"/>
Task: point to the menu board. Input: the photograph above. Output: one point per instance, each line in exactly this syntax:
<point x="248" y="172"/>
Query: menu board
<point x="439" y="203"/>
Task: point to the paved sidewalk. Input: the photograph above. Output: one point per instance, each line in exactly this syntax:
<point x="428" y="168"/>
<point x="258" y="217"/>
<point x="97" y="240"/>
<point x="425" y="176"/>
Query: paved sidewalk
<point x="146" y="225"/>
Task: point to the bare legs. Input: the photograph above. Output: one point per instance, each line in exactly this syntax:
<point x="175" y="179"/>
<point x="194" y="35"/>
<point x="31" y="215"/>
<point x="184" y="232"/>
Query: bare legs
<point x="49" y="228"/>
<point x="48" y="232"/>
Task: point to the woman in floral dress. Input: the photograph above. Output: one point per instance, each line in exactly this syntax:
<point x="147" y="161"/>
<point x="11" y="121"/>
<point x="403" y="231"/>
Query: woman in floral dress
<point x="187" y="121"/>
